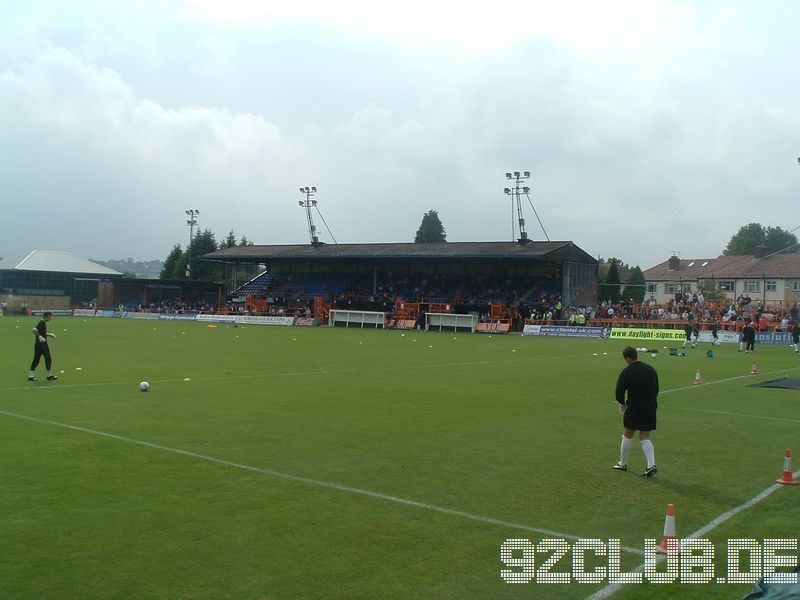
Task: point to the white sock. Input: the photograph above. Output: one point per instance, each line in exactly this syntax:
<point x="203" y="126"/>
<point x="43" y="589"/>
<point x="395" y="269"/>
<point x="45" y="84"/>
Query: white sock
<point x="31" y="374"/>
<point x="624" y="448"/>
<point x="649" y="452"/>
<point x="49" y="373"/>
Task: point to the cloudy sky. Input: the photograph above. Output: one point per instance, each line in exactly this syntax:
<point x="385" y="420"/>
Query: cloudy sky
<point x="649" y="126"/>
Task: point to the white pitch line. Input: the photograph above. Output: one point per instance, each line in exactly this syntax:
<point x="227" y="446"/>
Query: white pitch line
<point x="613" y="588"/>
<point x="722" y="412"/>
<point x="726" y="380"/>
<point x="733" y="414"/>
<point x="314" y="482"/>
<point x="396" y="499"/>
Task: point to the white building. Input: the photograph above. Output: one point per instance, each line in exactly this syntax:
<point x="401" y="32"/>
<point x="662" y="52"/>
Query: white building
<point x="773" y="279"/>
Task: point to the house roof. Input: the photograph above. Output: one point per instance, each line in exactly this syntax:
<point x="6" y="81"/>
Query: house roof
<point x="780" y="266"/>
<point x="783" y="265"/>
<point x="460" y="250"/>
<point x="58" y="262"/>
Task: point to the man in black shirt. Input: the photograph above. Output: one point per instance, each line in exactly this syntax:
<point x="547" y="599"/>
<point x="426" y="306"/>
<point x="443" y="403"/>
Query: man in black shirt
<point x="640" y="382"/>
<point x="714" y="334"/>
<point x="748" y="338"/>
<point x="41" y="349"/>
<point x="687" y="330"/>
<point x="695" y="332"/>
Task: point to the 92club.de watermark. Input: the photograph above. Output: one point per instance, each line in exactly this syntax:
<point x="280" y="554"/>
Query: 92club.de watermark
<point x="561" y="561"/>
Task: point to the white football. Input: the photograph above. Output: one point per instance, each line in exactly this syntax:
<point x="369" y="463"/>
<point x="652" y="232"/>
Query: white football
<point x="144" y="386"/>
<point x="654" y="355"/>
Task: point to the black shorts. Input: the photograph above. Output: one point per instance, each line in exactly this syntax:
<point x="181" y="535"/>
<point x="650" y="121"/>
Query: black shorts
<point x="639" y="420"/>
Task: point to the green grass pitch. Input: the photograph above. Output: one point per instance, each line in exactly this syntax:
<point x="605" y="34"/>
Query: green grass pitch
<point x="329" y="463"/>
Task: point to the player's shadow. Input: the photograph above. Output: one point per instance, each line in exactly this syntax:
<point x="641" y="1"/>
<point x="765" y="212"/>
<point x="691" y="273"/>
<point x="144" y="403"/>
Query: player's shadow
<point x="713" y="494"/>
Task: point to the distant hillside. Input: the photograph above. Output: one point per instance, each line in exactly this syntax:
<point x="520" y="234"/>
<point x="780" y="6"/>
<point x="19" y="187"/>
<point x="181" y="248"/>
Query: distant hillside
<point x="148" y="269"/>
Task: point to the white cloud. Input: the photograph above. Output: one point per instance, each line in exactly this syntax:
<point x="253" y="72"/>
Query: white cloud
<point x="648" y="129"/>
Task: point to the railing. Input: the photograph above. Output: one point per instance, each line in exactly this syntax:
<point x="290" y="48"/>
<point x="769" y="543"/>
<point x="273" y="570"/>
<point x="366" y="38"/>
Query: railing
<point x="657" y="324"/>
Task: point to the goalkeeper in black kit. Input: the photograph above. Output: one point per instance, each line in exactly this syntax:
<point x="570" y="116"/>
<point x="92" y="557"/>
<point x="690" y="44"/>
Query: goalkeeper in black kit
<point x="639" y="381"/>
<point x="41" y="349"/>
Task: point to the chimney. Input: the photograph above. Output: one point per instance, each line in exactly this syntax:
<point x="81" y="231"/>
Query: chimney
<point x="761" y="251"/>
<point x="674" y="262"/>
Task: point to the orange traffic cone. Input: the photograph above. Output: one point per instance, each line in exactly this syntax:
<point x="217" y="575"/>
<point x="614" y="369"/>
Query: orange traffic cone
<point x="754" y="370"/>
<point x="670" y="543"/>
<point x="786" y="478"/>
<point x="697" y="380"/>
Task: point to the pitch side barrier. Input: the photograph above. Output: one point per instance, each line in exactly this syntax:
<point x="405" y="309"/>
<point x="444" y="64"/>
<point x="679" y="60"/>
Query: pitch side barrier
<point x="59" y="312"/>
<point x="566" y="331"/>
<point x="493" y="327"/>
<point x="771" y="337"/>
<point x="143" y="316"/>
<point x="200" y="318"/>
<point x="678" y="335"/>
<point x="244" y="319"/>
<point x="669" y="335"/>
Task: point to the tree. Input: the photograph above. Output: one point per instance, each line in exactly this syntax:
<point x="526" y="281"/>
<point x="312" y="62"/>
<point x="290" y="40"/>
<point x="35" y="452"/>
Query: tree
<point x="230" y="241"/>
<point x="604" y="264"/>
<point x="608" y="289"/>
<point x="711" y="291"/>
<point x="753" y="235"/>
<point x="431" y="229"/>
<point x="635" y="286"/>
<point x="247" y="271"/>
<point x="204" y="243"/>
<point x="172" y="264"/>
<point x="148" y="269"/>
<point x="780" y="240"/>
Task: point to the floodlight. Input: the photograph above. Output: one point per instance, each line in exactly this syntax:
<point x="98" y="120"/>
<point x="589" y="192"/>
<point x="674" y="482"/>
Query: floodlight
<point x="516" y="192"/>
<point x="191" y="222"/>
<point x="308" y="204"/>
